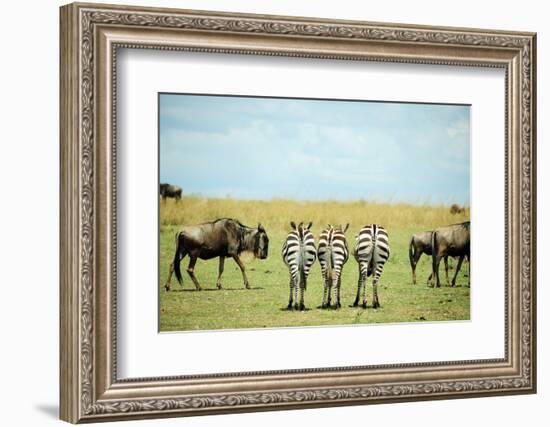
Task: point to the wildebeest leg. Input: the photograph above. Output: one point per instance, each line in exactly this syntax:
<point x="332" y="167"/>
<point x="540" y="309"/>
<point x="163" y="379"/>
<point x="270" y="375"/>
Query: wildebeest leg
<point x="446" y="261"/>
<point x="241" y="266"/>
<point x="220" y="272"/>
<point x="435" y="272"/>
<point x="191" y="272"/>
<point x="178" y="256"/>
<point x="414" y="262"/>
<point x="170" y="272"/>
<point x="453" y="283"/>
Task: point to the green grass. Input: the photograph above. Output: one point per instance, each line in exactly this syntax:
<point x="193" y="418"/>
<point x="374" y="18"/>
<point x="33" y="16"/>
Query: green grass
<point x="264" y="306"/>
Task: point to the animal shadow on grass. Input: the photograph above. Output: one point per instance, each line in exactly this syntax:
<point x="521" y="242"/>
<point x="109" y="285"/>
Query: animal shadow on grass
<point x="293" y="309"/>
<point x="255" y="288"/>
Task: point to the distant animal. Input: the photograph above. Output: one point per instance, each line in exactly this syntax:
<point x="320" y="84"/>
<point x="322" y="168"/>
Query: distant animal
<point x="372" y="250"/>
<point x="451" y="240"/>
<point x="421" y="243"/>
<point x="457" y="209"/>
<point x="299" y="254"/>
<point x="170" y="191"/>
<point x="221" y="238"/>
<point x="332" y="253"/>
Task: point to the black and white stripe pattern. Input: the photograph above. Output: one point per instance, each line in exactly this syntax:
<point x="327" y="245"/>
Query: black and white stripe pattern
<point x="333" y="253"/>
<point x="372" y="250"/>
<point x="299" y="254"/>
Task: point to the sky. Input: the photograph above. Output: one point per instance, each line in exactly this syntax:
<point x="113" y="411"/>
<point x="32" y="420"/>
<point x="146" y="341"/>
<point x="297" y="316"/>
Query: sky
<point x="266" y="148"/>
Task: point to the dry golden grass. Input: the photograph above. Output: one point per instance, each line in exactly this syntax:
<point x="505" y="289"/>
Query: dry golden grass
<point x="277" y="213"/>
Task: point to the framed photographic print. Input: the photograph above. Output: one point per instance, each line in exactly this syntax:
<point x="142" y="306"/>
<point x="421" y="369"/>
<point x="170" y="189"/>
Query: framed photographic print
<point x="266" y="212"/>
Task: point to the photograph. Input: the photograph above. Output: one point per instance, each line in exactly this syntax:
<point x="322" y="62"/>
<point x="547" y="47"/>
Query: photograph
<point x="292" y="212"/>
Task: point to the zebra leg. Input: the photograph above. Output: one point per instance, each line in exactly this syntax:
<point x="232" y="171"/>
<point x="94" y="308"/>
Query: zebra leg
<point x="302" y="288"/>
<point x="220" y="272"/>
<point x="356" y="302"/>
<point x="364" y="278"/>
<point x="338" y="285"/>
<point x="296" y="301"/>
<point x="329" y="293"/>
<point x="325" y="287"/>
<point x="191" y="272"/>
<point x="377" y="274"/>
<point x="289" y="307"/>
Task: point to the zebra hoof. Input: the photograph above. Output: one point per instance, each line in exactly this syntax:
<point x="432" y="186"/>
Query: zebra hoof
<point x="302" y="307"/>
<point x="364" y="305"/>
<point x="166" y="288"/>
<point x="338" y="305"/>
<point x="218" y="285"/>
<point x="376" y="305"/>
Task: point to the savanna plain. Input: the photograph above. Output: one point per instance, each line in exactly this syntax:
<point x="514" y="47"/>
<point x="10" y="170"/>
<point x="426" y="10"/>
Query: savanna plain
<point x="265" y="304"/>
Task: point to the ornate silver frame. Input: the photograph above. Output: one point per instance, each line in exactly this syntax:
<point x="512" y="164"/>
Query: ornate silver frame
<point x="90" y="36"/>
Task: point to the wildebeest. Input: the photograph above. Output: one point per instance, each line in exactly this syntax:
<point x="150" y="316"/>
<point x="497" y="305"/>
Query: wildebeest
<point x="221" y="238"/>
<point x="169" y="190"/>
<point x="372" y="250"/>
<point x="421" y="243"/>
<point x="452" y="240"/>
<point x="457" y="209"/>
<point x="333" y="253"/>
<point x="299" y="254"/>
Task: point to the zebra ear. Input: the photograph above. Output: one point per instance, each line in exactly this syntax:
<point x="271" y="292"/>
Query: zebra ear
<point x="346" y="227"/>
<point x="293" y="225"/>
<point x="261" y="227"/>
<point x="309" y="225"/>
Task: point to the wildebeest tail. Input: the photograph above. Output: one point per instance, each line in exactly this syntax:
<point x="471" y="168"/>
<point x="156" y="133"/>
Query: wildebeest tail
<point x="411" y="251"/>
<point x="435" y="250"/>
<point x="178" y="257"/>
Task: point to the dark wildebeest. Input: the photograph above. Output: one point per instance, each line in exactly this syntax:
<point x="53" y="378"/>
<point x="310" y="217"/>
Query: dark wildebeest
<point x="221" y="238"/>
<point x="169" y="190"/>
<point x="421" y="243"/>
<point x="452" y="240"/>
<point x="457" y="209"/>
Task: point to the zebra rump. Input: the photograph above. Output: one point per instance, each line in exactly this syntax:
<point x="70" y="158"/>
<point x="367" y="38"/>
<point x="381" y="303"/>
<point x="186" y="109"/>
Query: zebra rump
<point x="372" y="250"/>
<point x="333" y="253"/>
<point x="299" y="254"/>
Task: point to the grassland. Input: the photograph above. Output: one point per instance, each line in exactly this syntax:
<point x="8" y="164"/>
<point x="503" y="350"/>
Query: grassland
<point x="265" y="304"/>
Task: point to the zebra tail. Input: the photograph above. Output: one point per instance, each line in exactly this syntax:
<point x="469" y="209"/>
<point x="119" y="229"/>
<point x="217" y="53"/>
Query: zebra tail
<point x="301" y="265"/>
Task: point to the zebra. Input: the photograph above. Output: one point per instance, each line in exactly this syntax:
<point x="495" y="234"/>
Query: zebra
<point x="372" y="250"/>
<point x="299" y="254"/>
<point x="333" y="253"/>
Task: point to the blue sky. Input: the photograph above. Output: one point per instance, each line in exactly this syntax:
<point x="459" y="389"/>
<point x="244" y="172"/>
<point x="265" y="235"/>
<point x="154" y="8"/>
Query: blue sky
<point x="264" y="148"/>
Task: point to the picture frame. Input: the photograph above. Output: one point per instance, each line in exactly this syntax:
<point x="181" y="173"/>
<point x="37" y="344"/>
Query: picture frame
<point x="91" y="34"/>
